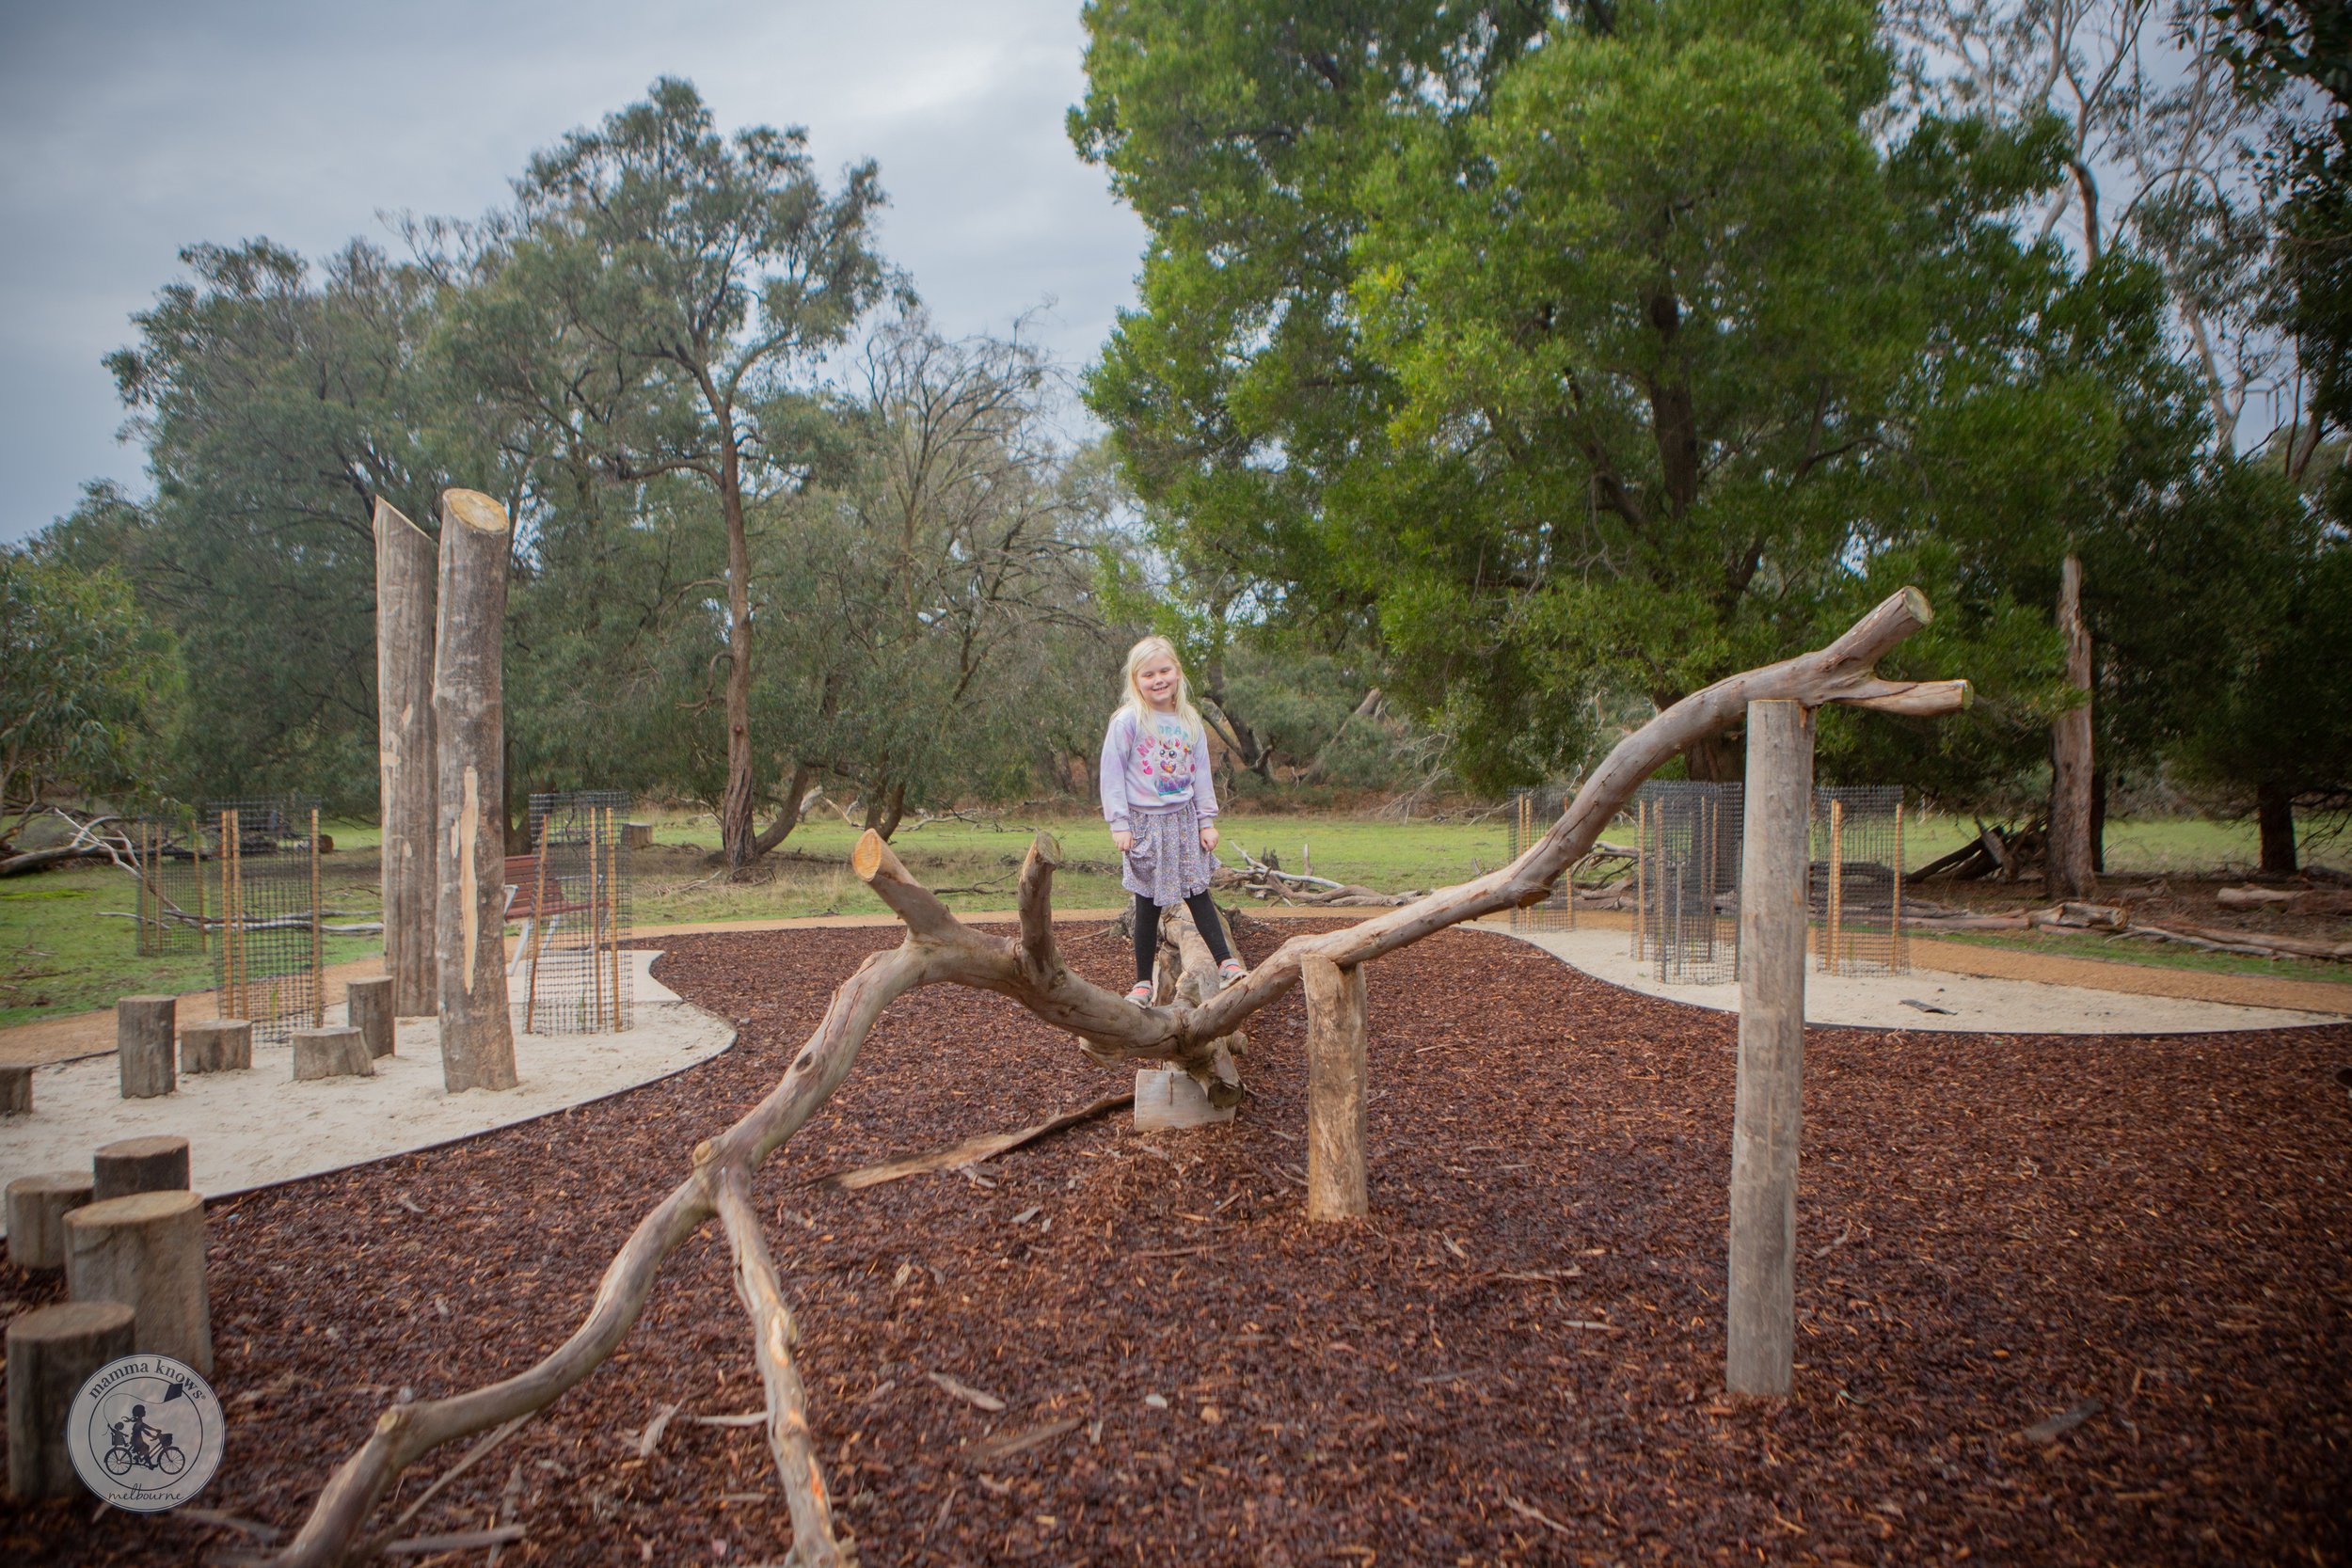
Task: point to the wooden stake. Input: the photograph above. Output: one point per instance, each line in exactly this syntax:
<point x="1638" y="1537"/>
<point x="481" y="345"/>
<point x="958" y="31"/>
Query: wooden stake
<point x="538" y="931"/>
<point x="318" y="940"/>
<point x="1641" y="872"/>
<point x="1337" y="1070"/>
<point x="595" y="927"/>
<point x="613" y="893"/>
<point x="1767" y="1113"/>
<point x="227" y="999"/>
<point x="1836" y="884"/>
<point x="1897" y="956"/>
<point x="195" y="853"/>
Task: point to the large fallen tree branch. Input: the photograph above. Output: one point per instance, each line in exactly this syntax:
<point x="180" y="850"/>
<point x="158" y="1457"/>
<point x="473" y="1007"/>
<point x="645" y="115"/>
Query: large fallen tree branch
<point x="1197" y="1035"/>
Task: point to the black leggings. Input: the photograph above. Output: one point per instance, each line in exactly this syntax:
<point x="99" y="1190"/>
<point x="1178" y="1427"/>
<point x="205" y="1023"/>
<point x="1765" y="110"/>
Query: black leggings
<point x="1148" y="930"/>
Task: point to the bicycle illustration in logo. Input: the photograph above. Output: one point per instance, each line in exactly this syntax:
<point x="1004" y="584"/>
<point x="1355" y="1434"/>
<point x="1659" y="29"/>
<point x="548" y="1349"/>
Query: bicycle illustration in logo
<point x="138" y="1446"/>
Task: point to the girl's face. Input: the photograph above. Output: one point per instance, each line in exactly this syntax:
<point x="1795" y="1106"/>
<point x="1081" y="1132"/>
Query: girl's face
<point x="1157" y="681"/>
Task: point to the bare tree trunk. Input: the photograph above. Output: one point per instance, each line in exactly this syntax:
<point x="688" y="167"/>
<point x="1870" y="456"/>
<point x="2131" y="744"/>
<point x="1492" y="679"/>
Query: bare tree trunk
<point x="736" y="839"/>
<point x="2069" y="871"/>
<point x="468" y="723"/>
<point x="405" y="563"/>
<point x="788" y="813"/>
<point x="1028" y="968"/>
<point x="2274" y="818"/>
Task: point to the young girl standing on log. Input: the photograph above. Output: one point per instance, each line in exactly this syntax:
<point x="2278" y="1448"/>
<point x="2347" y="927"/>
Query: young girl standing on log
<point x="1161" y="805"/>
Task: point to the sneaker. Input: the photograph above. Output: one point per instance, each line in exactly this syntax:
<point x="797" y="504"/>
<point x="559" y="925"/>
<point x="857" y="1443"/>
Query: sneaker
<point x="1140" y="993"/>
<point x="1231" y="971"/>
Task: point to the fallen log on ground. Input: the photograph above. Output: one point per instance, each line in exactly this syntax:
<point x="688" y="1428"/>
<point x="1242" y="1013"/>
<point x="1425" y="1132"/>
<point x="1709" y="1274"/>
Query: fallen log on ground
<point x="1028" y="968"/>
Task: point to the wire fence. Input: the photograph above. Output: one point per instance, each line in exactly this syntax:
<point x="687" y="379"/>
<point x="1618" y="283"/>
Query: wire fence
<point x="168" y="851"/>
<point x="1856" y="887"/>
<point x="1533" y="813"/>
<point x="572" y="894"/>
<point x="1686" y="879"/>
<point x="263" y="864"/>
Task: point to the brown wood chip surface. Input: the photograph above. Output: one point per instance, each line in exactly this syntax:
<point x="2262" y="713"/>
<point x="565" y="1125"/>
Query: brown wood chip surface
<point x="2020" y="1227"/>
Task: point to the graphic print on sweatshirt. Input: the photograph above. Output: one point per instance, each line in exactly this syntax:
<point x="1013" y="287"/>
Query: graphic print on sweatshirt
<point x="1166" y="753"/>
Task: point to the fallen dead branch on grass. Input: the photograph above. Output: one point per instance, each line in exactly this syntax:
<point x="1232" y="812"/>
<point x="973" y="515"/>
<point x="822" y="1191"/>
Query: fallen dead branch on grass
<point x="1194" y="1031"/>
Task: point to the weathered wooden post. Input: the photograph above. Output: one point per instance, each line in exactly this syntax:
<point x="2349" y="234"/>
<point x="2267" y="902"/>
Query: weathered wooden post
<point x="369" y="1007"/>
<point x="52" y="1352"/>
<point x="37" y="1208"/>
<point x="16" y="1092"/>
<point x="143" y="1035"/>
<point x="157" y="1165"/>
<point x="1337" y="1071"/>
<point x="1766" y="1117"/>
<point x="217" y="1045"/>
<point x="470" y="752"/>
<point x="146" y="1251"/>
<point x="405" y="563"/>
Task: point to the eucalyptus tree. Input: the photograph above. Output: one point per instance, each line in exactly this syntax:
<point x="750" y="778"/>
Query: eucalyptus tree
<point x="665" y="291"/>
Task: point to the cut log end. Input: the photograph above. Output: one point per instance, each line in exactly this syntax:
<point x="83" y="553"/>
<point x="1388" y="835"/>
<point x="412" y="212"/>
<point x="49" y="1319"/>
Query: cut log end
<point x="866" y="859"/>
<point x="1915" y="605"/>
<point x="1046" y="848"/>
<point x="389" y="518"/>
<point x="473" y="509"/>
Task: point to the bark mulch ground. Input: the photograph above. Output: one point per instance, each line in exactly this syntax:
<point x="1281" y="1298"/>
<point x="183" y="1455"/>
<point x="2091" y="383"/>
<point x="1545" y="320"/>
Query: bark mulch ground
<point x="1517" y="1360"/>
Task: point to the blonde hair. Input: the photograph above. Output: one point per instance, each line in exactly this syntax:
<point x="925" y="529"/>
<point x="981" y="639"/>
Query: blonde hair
<point x="1137" y="703"/>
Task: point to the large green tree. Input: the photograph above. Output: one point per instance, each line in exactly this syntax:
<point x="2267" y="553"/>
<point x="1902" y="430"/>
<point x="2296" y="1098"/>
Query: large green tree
<point x="662" y="287"/>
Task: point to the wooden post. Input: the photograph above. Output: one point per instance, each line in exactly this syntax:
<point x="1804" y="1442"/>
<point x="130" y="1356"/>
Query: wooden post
<point x="52" y="1351"/>
<point x="331" y="1053"/>
<point x="143" y="1030"/>
<point x="37" y="1208"/>
<point x="1337" y="1071"/>
<point x="1641" y="873"/>
<point x="318" y="949"/>
<point x="217" y="1045"/>
<point x="1836" y="883"/>
<point x="196" y="856"/>
<point x="368" y="1007"/>
<point x="470" y="752"/>
<point x="146" y="1251"/>
<point x="2070" y="870"/>
<point x="1765" y="1118"/>
<point x="612" y="897"/>
<point x="224" y="997"/>
<point x="1898" y="958"/>
<point x="157" y="1165"/>
<point x="405" y="563"/>
<point x="538" y="932"/>
<point x="16" y="1090"/>
<point x="595" y="916"/>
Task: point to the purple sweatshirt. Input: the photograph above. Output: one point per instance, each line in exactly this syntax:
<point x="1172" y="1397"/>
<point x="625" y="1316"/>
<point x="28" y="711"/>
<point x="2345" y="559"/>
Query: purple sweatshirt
<point x="1161" y="761"/>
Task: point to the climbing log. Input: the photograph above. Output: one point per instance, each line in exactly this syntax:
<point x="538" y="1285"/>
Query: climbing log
<point x="469" y="751"/>
<point x="217" y="1045"/>
<point x="52" y="1351"/>
<point x="368" y="1004"/>
<point x="156" y="1164"/>
<point x="146" y="1251"/>
<point x="405" y="563"/>
<point x="1027" y="967"/>
<point x="143" y="1045"/>
<point x="37" y="1208"/>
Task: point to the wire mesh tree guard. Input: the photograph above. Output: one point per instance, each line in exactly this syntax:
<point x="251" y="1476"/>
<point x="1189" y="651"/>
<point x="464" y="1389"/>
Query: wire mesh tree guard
<point x="1533" y="813"/>
<point x="573" y="897"/>
<point x="1855" y="890"/>
<point x="1686" y="879"/>
<point x="167" y="849"/>
<point x="269" y="953"/>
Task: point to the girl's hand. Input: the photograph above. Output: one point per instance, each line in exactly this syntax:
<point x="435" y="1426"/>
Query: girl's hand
<point x="1208" y="836"/>
<point x="1124" y="839"/>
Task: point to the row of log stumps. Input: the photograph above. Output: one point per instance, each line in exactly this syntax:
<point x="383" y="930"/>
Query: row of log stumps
<point x="130" y="1237"/>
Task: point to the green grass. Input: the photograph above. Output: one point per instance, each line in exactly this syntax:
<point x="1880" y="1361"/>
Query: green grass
<point x="57" y="956"/>
<point x="2158" y="955"/>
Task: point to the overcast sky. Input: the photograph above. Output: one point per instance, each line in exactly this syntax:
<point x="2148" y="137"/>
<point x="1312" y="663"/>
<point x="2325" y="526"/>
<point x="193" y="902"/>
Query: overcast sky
<point x="133" y="128"/>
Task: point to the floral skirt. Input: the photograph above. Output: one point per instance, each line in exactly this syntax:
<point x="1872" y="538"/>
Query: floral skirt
<point x="1168" y="864"/>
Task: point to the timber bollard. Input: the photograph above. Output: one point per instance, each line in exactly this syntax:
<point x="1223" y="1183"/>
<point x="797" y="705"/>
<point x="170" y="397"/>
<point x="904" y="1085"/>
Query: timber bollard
<point x="147" y="1252"/>
<point x="332" y="1053"/>
<point x="16" y="1092"/>
<point x="369" y="1005"/>
<point x="143" y="1045"/>
<point x="157" y="1165"/>
<point x="38" y="1206"/>
<point x="52" y="1351"/>
<point x="217" y="1045"/>
<point x="1337" y="1080"/>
